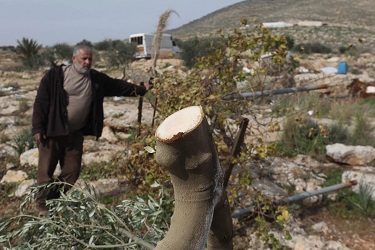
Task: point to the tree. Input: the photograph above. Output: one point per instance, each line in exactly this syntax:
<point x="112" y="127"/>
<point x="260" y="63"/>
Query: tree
<point x="121" y="54"/>
<point x="28" y="50"/>
<point x="85" y="42"/>
<point x="195" y="48"/>
<point x="62" y="51"/>
<point x="104" y="45"/>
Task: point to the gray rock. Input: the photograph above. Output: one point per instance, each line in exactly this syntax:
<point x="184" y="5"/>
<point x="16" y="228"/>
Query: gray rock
<point x="365" y="176"/>
<point x="13" y="176"/>
<point x="352" y="155"/>
<point x="108" y="135"/>
<point x="321" y="227"/>
<point x="23" y="187"/>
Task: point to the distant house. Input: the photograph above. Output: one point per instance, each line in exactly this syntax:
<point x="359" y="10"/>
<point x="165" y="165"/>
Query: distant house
<point x="277" y="24"/>
<point x="311" y="23"/>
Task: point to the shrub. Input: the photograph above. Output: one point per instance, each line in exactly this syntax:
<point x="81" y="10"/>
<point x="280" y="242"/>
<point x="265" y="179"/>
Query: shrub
<point x="195" y="48"/>
<point x="85" y="42"/>
<point x="309" y="48"/>
<point x="62" y="51"/>
<point x="307" y="137"/>
<point x="343" y="49"/>
<point x="104" y="45"/>
<point x="24" y="141"/>
<point x="290" y="42"/>
<point x="121" y="54"/>
<point x="362" y="131"/>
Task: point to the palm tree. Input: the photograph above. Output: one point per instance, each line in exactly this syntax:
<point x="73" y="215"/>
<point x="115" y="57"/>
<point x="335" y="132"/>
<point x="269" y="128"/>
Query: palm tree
<point x="28" y="50"/>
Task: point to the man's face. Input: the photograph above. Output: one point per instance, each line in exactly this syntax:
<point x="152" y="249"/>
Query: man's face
<point x="82" y="62"/>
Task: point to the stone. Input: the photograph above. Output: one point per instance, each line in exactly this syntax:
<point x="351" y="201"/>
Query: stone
<point x="365" y="176"/>
<point x="352" y="155"/>
<point x="7" y="150"/>
<point x="13" y="176"/>
<point x="108" y="135"/>
<point x="30" y="157"/>
<point x="321" y="227"/>
<point x="23" y="187"/>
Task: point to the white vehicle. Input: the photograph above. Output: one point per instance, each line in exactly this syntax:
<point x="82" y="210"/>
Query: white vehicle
<point x="144" y="44"/>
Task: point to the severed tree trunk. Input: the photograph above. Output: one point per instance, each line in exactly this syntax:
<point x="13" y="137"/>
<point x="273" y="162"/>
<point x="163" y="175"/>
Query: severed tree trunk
<point x="184" y="146"/>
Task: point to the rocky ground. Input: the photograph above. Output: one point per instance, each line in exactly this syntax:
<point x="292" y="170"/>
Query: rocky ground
<point x="312" y="228"/>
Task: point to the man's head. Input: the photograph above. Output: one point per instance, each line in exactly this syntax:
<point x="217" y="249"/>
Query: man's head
<point x="82" y="58"/>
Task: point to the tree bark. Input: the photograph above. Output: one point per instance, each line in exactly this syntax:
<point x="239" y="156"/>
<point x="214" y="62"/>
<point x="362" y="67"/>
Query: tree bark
<point x="184" y="146"/>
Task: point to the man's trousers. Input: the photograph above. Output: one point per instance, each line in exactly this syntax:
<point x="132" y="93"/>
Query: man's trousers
<point x="66" y="150"/>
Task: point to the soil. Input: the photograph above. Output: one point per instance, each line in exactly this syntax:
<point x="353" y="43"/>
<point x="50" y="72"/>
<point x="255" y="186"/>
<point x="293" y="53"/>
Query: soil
<point x="357" y="233"/>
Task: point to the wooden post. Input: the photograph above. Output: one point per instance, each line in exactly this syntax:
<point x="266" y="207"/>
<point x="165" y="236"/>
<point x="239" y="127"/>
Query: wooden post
<point x="140" y="107"/>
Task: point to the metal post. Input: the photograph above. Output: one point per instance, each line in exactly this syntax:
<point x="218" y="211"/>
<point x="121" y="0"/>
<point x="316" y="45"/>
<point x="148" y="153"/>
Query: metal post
<point x="247" y="211"/>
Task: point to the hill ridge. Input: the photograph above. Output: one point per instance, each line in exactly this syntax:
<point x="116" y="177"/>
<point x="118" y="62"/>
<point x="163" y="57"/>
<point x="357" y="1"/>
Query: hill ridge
<point x="347" y="22"/>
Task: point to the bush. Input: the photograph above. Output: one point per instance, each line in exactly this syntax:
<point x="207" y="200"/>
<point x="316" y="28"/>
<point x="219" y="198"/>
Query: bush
<point x="62" y="51"/>
<point x="343" y="49"/>
<point x="120" y="54"/>
<point x="290" y="42"/>
<point x="362" y="132"/>
<point x="307" y="137"/>
<point x="195" y="48"/>
<point x="85" y="42"/>
<point x="309" y="48"/>
<point x="24" y="141"/>
<point x="104" y="45"/>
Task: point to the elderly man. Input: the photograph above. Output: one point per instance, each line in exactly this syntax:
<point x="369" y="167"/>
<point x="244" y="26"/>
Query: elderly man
<point x="69" y="105"/>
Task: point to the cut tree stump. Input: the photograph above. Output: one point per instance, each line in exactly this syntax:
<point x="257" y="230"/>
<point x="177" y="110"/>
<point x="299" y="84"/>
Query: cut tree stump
<point x="184" y="146"/>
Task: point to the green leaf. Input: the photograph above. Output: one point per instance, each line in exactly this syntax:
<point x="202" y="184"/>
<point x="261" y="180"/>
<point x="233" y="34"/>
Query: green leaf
<point x="149" y="149"/>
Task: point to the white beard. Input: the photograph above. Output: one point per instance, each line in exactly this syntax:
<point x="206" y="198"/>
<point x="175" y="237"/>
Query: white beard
<point x="80" y="68"/>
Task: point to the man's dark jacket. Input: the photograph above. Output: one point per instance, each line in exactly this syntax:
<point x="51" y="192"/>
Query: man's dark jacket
<point x="50" y="116"/>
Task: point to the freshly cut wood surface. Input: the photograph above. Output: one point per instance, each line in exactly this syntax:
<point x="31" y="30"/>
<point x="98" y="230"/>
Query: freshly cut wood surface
<point x="179" y="123"/>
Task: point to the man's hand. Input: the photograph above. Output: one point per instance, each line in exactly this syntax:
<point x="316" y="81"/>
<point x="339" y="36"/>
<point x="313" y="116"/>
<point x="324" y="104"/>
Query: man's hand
<point x="148" y="86"/>
<point x="39" y="138"/>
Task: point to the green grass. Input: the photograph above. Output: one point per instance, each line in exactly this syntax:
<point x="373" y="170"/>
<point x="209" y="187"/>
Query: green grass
<point x="348" y="204"/>
<point x="24" y="141"/>
<point x="352" y="125"/>
<point x="307" y="137"/>
<point x="100" y="170"/>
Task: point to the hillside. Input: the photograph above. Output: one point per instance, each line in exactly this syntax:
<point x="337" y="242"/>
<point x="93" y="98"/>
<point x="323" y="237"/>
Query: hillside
<point x="113" y="167"/>
<point x="348" y="22"/>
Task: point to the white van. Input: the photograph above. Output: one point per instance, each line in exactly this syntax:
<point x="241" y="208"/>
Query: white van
<point x="144" y="44"/>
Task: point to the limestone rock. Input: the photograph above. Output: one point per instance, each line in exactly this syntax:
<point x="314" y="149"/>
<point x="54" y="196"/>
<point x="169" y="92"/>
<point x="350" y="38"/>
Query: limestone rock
<point x="365" y="176"/>
<point x="352" y="155"/>
<point x="321" y="227"/>
<point x="13" y="176"/>
<point x="23" y="187"/>
<point x="108" y="135"/>
<point x="30" y="157"/>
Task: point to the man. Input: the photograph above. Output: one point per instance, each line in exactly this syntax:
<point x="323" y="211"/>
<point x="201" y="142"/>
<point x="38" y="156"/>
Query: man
<point x="69" y="105"/>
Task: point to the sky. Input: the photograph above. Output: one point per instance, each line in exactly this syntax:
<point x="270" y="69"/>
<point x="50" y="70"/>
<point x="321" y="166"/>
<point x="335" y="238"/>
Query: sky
<point x="70" y="21"/>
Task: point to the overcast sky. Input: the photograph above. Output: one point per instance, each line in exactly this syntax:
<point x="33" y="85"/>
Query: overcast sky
<point x="70" y="21"/>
